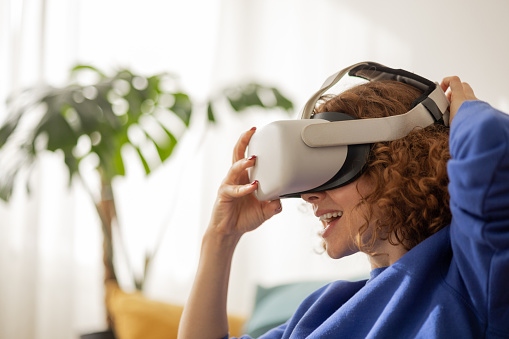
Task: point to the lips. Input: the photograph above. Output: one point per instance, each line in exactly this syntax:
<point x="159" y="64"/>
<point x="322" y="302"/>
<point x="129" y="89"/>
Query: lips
<point x="329" y="219"/>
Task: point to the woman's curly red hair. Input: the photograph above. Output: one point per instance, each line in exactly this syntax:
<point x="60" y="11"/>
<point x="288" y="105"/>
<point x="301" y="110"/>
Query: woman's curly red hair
<point x="409" y="175"/>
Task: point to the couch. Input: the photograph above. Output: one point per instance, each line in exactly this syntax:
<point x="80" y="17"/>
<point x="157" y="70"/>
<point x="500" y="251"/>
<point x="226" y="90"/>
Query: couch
<point x="136" y="316"/>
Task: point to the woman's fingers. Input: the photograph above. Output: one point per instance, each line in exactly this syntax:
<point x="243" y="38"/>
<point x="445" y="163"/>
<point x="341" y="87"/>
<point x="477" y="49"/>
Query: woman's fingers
<point x="241" y="145"/>
<point x="236" y="184"/>
<point x="459" y="93"/>
<point x="272" y="208"/>
<point x="238" y="191"/>
<point x="237" y="173"/>
<point x="452" y="82"/>
<point x="469" y="92"/>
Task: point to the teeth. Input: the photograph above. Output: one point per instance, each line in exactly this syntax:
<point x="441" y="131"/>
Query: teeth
<point x="328" y="216"/>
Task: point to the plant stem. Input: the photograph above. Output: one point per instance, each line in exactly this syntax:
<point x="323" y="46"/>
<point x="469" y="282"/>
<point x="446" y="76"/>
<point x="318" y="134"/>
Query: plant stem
<point x="107" y="211"/>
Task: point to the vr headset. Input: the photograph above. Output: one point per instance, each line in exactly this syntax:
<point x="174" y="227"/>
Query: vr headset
<point x="328" y="150"/>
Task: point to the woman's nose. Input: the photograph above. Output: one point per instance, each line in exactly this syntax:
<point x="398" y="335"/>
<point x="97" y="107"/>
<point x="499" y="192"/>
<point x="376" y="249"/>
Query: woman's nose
<point x="313" y="197"/>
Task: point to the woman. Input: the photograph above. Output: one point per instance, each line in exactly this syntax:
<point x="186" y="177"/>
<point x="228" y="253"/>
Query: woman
<point x="433" y="276"/>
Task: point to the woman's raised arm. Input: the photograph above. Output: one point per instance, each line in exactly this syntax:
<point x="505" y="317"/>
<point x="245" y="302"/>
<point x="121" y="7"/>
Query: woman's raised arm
<point x="236" y="211"/>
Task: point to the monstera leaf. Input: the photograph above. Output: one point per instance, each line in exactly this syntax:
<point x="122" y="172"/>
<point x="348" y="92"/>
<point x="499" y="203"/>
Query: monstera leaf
<point x="99" y="118"/>
<point x="241" y="97"/>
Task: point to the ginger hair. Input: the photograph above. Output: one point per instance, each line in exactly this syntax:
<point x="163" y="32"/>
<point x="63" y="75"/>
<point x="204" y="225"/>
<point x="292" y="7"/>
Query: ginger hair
<point x="409" y="201"/>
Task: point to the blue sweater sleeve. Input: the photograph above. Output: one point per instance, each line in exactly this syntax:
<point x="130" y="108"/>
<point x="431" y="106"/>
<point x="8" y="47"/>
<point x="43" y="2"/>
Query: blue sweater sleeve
<point x="479" y="171"/>
<point x="479" y="190"/>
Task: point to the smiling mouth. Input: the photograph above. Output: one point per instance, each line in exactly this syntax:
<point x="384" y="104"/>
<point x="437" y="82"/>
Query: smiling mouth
<point x="330" y="217"/>
<point x="328" y="220"/>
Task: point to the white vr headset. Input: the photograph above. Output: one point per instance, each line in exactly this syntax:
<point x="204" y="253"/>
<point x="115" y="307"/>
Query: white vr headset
<point x="328" y="150"/>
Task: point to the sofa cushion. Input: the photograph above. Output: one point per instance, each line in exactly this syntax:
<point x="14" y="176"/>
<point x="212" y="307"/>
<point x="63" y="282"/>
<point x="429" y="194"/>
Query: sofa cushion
<point x="275" y="305"/>
<point x="137" y="317"/>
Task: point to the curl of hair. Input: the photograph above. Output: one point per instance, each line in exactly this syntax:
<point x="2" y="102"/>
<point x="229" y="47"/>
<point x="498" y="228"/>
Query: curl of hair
<point x="409" y="200"/>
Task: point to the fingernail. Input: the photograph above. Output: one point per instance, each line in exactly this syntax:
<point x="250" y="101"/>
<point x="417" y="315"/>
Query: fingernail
<point x="253" y="128"/>
<point x="252" y="157"/>
<point x="254" y="182"/>
<point x="279" y="209"/>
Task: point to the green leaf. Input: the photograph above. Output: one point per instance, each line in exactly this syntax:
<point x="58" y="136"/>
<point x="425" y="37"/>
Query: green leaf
<point x="143" y="161"/>
<point x="6" y="188"/>
<point x="182" y="107"/>
<point x="10" y="172"/>
<point x="72" y="164"/>
<point x="153" y="87"/>
<point x="89" y="115"/>
<point x="135" y="101"/>
<point x="165" y="149"/>
<point x="249" y="95"/>
<point x="79" y="68"/>
<point x="6" y="130"/>
<point x="60" y="134"/>
<point x="210" y="112"/>
<point x="104" y="105"/>
<point x="251" y="98"/>
<point x="105" y="150"/>
<point x="282" y="101"/>
<point x="7" y="185"/>
<point x="236" y="104"/>
<point x="243" y="97"/>
<point x="14" y="116"/>
<point x="118" y="163"/>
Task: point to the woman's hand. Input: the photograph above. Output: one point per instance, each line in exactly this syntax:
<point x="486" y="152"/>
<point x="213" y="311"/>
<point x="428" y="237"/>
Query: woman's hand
<point x="459" y="93"/>
<point x="236" y="210"/>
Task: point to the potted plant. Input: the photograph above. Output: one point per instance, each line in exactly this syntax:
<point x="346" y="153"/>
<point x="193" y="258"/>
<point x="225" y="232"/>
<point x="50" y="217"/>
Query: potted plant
<point x="97" y="119"/>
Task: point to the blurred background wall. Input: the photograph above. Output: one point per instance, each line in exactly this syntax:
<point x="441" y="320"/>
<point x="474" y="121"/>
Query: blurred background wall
<point x="50" y="241"/>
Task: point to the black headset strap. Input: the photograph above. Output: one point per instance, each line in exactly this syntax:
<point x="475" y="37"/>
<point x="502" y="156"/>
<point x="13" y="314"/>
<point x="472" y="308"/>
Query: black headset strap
<point x="373" y="71"/>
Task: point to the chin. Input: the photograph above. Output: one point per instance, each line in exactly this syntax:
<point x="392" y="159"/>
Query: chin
<point x="338" y="254"/>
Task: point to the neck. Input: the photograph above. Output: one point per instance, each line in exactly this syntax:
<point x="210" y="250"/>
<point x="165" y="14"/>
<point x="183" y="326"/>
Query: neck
<point x="386" y="254"/>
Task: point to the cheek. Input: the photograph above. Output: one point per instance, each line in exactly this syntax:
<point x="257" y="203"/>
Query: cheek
<point x="355" y="219"/>
<point x="360" y="230"/>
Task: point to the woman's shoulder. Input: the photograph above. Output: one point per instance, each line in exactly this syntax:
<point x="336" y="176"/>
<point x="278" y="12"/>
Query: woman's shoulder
<point x="336" y="291"/>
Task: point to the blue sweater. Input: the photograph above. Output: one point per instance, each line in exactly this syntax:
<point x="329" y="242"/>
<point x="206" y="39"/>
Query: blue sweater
<point x="455" y="284"/>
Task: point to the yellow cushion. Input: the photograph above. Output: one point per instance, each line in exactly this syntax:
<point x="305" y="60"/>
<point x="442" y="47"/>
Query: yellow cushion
<point x="136" y="317"/>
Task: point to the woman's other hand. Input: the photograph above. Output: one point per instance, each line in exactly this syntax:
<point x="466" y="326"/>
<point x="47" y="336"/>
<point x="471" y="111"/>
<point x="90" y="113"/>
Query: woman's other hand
<point x="459" y="93"/>
<point x="236" y="210"/>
